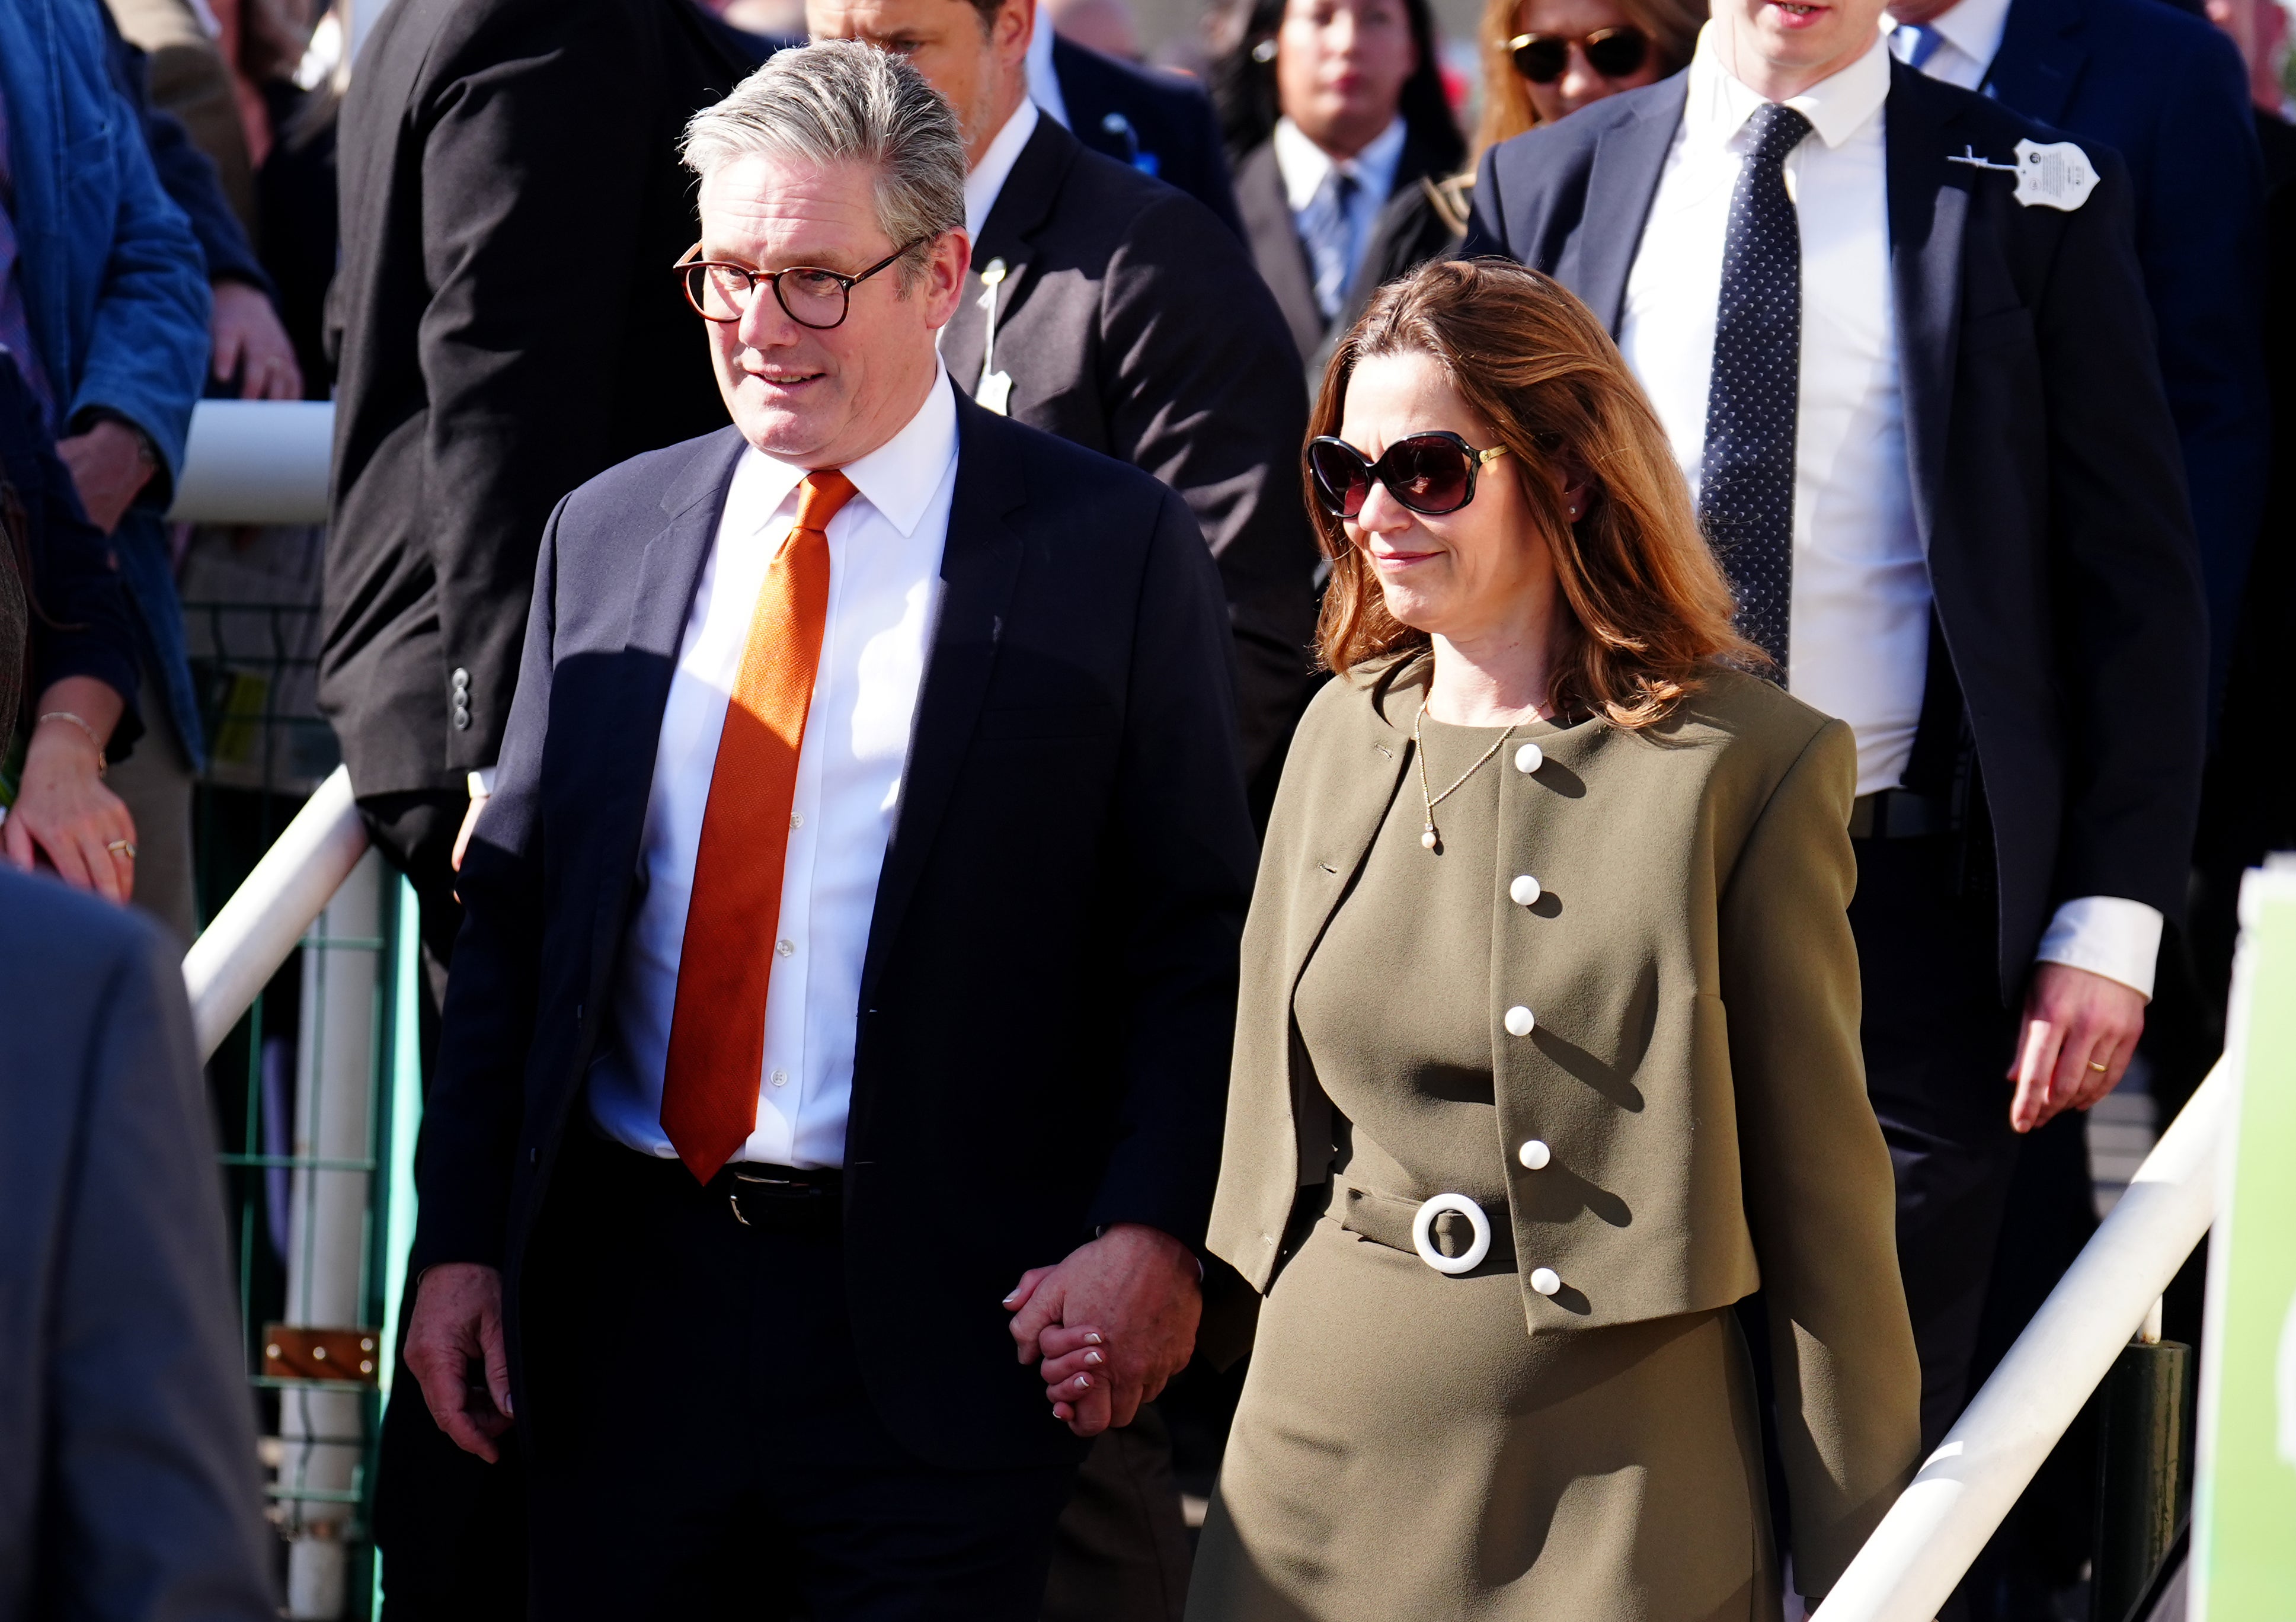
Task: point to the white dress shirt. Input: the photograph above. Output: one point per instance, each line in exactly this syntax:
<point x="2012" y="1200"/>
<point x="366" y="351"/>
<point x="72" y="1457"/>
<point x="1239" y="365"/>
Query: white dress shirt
<point x="986" y="179"/>
<point x="884" y="585"/>
<point x="1969" y="36"/>
<point x="1308" y="172"/>
<point x="1859" y="627"/>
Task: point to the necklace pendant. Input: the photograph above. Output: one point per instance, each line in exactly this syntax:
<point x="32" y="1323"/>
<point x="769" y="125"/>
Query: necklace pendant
<point x="1428" y="838"/>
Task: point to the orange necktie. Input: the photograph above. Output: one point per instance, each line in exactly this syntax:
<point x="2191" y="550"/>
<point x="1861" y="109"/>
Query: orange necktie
<point x="718" y="1026"/>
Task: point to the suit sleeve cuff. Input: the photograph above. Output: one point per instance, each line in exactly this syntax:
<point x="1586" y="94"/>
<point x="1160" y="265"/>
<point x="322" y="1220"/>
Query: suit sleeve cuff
<point x="2107" y="935"/>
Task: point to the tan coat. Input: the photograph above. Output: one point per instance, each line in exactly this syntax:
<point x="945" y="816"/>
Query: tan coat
<point x="1694" y="1066"/>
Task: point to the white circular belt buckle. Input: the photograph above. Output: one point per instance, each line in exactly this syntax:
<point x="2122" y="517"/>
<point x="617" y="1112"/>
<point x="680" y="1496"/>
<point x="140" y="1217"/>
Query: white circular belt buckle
<point x="1422" y="1236"/>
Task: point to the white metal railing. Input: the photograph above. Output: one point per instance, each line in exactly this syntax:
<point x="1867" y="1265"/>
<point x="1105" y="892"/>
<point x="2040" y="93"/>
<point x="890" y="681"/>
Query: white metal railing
<point x="256" y="461"/>
<point x="1924" y="1546"/>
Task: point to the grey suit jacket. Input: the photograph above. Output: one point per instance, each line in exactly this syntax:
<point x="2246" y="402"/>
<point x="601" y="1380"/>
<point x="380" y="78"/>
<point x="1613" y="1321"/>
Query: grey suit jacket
<point x="1131" y="322"/>
<point x="127" y="1476"/>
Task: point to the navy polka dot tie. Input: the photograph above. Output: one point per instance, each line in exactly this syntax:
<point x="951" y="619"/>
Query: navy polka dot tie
<point x="1746" y="492"/>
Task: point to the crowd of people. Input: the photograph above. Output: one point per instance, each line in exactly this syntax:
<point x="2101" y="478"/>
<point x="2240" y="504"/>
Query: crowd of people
<point x="1051" y="725"/>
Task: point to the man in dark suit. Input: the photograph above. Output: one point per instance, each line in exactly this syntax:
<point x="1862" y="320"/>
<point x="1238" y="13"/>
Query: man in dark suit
<point x="1942" y="473"/>
<point x="1158" y="123"/>
<point x="850" y="941"/>
<point x="489" y="362"/>
<point x="127" y="1478"/>
<point x="2168" y="93"/>
<point x="1108" y="308"/>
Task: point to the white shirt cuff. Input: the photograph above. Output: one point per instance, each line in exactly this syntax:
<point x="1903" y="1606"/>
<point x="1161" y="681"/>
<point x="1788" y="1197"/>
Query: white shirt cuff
<point x="2107" y="935"/>
<point x="482" y="783"/>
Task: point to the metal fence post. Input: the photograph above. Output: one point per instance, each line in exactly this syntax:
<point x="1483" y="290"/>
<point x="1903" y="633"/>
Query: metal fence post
<point x="2144" y="1469"/>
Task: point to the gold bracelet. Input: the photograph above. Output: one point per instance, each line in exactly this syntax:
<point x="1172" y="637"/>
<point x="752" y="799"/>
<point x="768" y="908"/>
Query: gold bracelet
<point x="101" y="764"/>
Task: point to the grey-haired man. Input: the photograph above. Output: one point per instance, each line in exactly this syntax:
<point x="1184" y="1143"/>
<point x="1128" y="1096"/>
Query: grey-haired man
<point x="851" y="939"/>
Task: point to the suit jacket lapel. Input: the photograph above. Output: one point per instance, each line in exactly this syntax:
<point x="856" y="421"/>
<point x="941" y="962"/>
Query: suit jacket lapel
<point x="1624" y="173"/>
<point x="980" y="562"/>
<point x="1023" y="205"/>
<point x="1928" y="211"/>
<point x="2040" y="60"/>
<point x="1276" y="246"/>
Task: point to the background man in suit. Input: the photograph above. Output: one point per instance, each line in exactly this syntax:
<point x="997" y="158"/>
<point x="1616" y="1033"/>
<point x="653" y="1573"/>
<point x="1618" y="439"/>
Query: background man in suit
<point x="1918" y="403"/>
<point x="2170" y="94"/>
<point x="484" y="369"/>
<point x="127" y="1478"/>
<point x="756" y="1076"/>
<point x="1159" y="123"/>
<point x="1123" y="319"/>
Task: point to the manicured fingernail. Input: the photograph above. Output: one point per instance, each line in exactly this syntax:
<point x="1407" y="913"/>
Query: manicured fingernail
<point x="1084" y="1383"/>
<point x="1092" y="1339"/>
<point x="1008" y="1299"/>
<point x="1094" y="1358"/>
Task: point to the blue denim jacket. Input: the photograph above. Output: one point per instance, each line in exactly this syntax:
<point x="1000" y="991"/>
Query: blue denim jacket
<point x="115" y="288"/>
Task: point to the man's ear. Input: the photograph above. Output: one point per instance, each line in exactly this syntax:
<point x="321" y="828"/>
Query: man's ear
<point x="1013" y="27"/>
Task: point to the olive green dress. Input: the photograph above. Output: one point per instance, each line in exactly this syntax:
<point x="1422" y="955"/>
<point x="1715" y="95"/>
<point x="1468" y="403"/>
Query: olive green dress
<point x="1405" y="1447"/>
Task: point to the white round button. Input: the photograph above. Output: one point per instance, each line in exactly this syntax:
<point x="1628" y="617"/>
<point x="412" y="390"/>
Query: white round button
<point x="797" y="819"/>
<point x="780" y="1079"/>
<point x="1519" y="1021"/>
<point x="784" y="948"/>
<point x="1545" y="1281"/>
<point x="1530" y="758"/>
<point x="1525" y="889"/>
<point x="1534" y="1154"/>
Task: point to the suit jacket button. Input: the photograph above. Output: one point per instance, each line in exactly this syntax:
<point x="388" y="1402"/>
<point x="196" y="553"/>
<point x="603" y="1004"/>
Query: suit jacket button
<point x="1525" y="889"/>
<point x="1530" y="758"/>
<point x="461" y="679"/>
<point x="462" y="717"/>
<point x="1544" y="1281"/>
<point x="1534" y="1154"/>
<point x="1519" y="1021"/>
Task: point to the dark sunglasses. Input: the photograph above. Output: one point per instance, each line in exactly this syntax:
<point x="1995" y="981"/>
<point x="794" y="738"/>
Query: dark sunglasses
<point x="1431" y="473"/>
<point x="1612" y="52"/>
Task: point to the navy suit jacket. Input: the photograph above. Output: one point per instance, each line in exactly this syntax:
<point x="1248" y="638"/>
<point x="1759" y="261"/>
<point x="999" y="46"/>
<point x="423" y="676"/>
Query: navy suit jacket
<point x="1159" y="123"/>
<point x="2167" y="92"/>
<point x="2043" y="469"/>
<point x="1048" y="992"/>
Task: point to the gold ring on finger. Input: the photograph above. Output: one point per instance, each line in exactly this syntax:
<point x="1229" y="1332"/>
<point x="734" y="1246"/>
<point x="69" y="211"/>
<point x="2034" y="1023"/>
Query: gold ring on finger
<point x="122" y="848"/>
<point x="2099" y="1069"/>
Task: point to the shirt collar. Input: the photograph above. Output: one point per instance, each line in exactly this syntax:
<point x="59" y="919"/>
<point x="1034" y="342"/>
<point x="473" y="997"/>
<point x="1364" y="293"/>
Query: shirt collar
<point x="1304" y="166"/>
<point x="898" y="477"/>
<point x="1974" y="28"/>
<point x="988" y="178"/>
<point x="1718" y="102"/>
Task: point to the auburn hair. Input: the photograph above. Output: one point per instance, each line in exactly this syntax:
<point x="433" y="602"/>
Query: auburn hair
<point x="1646" y="608"/>
<point x="1671" y="27"/>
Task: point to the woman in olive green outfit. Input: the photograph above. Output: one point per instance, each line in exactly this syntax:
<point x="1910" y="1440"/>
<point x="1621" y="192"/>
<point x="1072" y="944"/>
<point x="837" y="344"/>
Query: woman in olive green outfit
<point x="1548" y="1050"/>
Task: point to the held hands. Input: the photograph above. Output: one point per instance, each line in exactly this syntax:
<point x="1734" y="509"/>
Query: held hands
<point x="1112" y="1323"/>
<point x="458" y="1320"/>
<point x="2074" y="1022"/>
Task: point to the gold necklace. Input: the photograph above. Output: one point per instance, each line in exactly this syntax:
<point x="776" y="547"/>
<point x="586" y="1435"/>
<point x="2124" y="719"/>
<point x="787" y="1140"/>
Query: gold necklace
<point x="1430" y="839"/>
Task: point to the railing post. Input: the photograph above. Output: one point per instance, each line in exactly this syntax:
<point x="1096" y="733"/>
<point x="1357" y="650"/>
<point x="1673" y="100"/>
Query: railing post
<point x="2144" y="1469"/>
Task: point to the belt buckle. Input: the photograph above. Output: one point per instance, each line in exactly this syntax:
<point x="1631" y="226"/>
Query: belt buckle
<point x="1422" y="1236"/>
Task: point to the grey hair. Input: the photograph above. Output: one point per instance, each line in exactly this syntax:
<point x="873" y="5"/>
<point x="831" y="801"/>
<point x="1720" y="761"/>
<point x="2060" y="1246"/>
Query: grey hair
<point x="842" y="102"/>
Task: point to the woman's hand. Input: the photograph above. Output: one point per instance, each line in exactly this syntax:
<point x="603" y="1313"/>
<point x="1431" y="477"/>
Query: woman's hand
<point x="2080" y="1033"/>
<point x="1135" y="1287"/>
<point x="62" y="809"/>
<point x="248" y="342"/>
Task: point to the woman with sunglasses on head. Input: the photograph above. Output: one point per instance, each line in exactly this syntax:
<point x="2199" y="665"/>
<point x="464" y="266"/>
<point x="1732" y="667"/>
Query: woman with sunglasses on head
<point x="1547" y="1053"/>
<point x="1340" y="132"/>
<point x="1544" y="59"/>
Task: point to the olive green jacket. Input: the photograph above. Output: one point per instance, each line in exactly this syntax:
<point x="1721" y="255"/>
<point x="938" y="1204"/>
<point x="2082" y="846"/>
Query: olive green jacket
<point x="1694" y="1067"/>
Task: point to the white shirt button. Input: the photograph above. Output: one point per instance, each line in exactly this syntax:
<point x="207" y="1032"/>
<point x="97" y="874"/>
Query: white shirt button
<point x="1545" y="1281"/>
<point x="784" y="948"/>
<point x="797" y="819"/>
<point x="780" y="1079"/>
<point x="1530" y="758"/>
<point x="1519" y="1021"/>
<point x="1534" y="1154"/>
<point x="1525" y="889"/>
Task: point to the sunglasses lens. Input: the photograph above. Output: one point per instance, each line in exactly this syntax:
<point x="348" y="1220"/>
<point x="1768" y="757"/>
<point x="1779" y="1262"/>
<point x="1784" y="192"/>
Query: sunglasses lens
<point x="1617" y="53"/>
<point x="1541" y="60"/>
<point x="1427" y="474"/>
<point x="1341" y="478"/>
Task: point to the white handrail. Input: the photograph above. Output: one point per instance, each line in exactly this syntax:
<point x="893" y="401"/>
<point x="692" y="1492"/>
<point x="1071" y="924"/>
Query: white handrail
<point x="256" y="461"/>
<point x="1927" y="1541"/>
<point x="236" y="955"/>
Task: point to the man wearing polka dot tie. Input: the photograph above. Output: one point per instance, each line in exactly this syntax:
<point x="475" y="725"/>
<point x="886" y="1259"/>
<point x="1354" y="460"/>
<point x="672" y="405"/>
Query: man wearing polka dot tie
<point x="842" y="1020"/>
<point x="1911" y="378"/>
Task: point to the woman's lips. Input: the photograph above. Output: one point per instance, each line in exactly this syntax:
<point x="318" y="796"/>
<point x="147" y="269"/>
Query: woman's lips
<point x="1401" y="560"/>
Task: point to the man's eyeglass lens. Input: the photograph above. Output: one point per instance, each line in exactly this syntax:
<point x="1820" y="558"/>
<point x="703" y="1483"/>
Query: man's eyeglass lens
<point x="1612" y="52"/>
<point x="812" y="298"/>
<point x="1431" y="473"/>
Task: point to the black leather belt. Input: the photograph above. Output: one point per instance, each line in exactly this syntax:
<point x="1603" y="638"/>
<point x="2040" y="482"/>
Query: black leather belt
<point x="1900" y="813"/>
<point x="755" y="1194"/>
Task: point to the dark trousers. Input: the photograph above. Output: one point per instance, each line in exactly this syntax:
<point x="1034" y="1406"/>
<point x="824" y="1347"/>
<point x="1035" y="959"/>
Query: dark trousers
<point x="1937" y="1041"/>
<point x="701" y="1441"/>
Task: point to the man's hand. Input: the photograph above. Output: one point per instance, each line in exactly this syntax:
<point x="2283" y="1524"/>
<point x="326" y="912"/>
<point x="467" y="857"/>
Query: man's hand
<point x="110" y="467"/>
<point x="248" y="342"/>
<point x="1114" y="1323"/>
<point x="2075" y="1021"/>
<point x="458" y="1321"/>
<point x="470" y="826"/>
